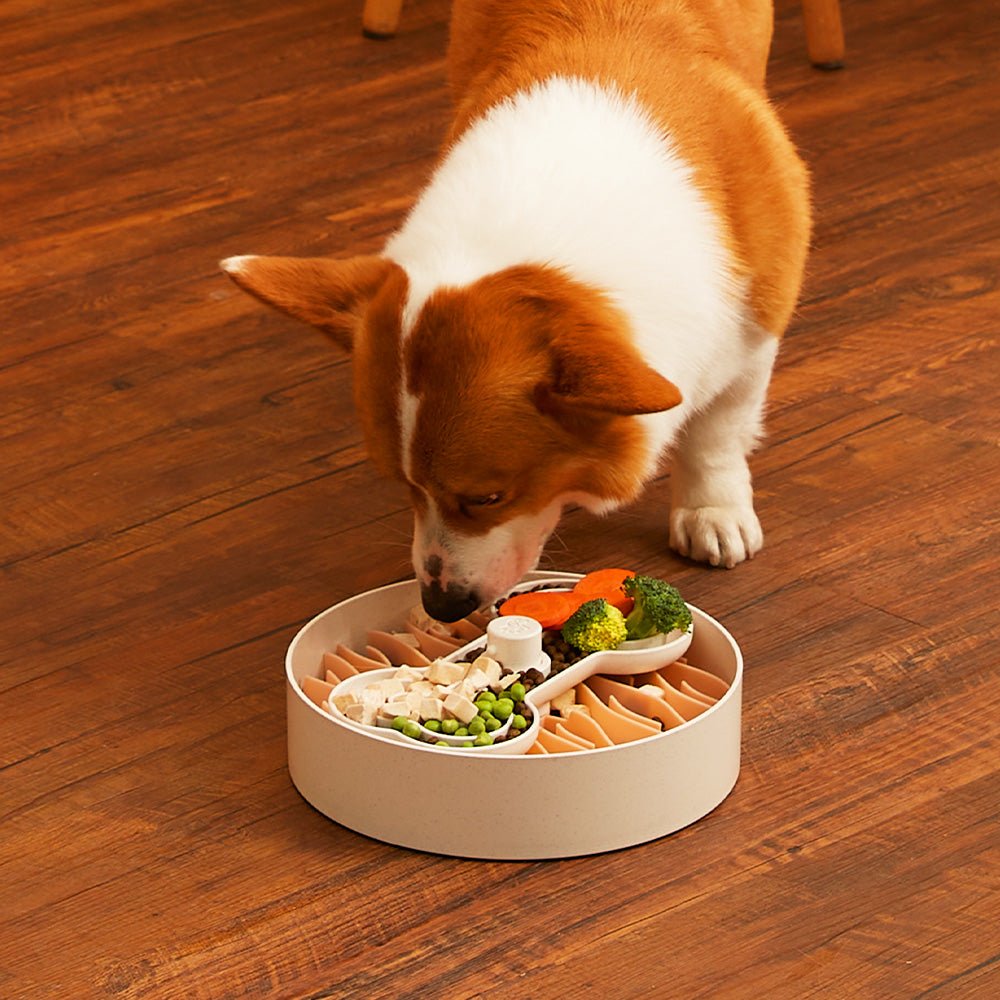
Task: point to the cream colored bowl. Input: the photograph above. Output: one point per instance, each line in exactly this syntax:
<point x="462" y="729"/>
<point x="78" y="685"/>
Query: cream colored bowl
<point x="506" y="807"/>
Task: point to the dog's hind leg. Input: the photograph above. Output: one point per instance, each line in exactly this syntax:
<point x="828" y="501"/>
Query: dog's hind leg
<point x="712" y="518"/>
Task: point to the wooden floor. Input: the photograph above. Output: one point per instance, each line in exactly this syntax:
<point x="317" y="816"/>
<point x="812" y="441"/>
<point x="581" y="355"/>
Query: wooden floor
<point x="182" y="484"/>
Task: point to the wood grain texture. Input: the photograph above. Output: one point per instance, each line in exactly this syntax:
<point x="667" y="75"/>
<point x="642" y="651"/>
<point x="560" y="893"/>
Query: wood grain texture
<point x="182" y="484"/>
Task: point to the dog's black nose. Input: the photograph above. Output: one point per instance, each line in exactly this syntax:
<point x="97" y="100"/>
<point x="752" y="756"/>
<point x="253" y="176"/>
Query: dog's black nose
<point x="448" y="604"/>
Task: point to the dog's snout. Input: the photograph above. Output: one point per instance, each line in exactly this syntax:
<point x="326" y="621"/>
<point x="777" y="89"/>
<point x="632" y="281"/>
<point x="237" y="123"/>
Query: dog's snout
<point x="448" y="604"/>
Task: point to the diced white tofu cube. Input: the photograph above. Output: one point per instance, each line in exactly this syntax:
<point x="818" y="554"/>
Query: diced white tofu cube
<point x="410" y="640"/>
<point x="393" y="708"/>
<point x="467" y="689"/>
<point x="354" y="712"/>
<point x="488" y="666"/>
<point x="442" y="672"/>
<point x="561" y="703"/>
<point x="461" y="708"/>
<point x="342" y="701"/>
<point x="391" y="688"/>
<point x="410" y="674"/>
<point x="431" y="708"/>
<point x="371" y="702"/>
<point x="477" y="679"/>
<point x="651" y="689"/>
<point x="508" y="679"/>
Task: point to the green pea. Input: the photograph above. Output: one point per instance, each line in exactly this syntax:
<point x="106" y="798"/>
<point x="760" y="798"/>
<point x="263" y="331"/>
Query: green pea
<point x="517" y="691"/>
<point x="484" y="706"/>
<point x="519" y="722"/>
<point x="399" y="722"/>
<point x="462" y="731"/>
<point x="442" y="743"/>
<point x="477" y="726"/>
<point x="434" y="725"/>
<point x="484" y="740"/>
<point x="485" y="715"/>
<point x="449" y="726"/>
<point x="492" y="725"/>
<point x="411" y="729"/>
<point x="503" y="709"/>
<point x="467" y="744"/>
<point x="486" y="695"/>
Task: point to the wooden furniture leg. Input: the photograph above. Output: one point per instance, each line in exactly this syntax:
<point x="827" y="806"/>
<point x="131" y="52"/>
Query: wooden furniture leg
<point x="381" y="18"/>
<point x="824" y="33"/>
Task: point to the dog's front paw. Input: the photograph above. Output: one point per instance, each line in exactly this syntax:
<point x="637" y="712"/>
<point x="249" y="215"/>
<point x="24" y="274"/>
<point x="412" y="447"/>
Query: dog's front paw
<point x="721" y="536"/>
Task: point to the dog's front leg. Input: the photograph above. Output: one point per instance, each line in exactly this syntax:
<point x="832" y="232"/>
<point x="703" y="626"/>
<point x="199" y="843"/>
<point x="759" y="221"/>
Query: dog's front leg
<point x="712" y="518"/>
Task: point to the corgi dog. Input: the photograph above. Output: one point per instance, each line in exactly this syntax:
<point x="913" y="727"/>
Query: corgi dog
<point x="598" y="272"/>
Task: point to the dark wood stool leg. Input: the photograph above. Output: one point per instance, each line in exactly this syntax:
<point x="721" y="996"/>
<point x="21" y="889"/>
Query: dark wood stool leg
<point x="381" y="18"/>
<point x="824" y="33"/>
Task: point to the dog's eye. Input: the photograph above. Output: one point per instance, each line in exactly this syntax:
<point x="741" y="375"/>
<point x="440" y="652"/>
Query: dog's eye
<point x="486" y="500"/>
<point x="489" y="500"/>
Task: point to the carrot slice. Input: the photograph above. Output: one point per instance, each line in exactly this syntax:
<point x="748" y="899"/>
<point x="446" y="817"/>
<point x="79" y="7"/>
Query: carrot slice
<point x="550" y="608"/>
<point x="602" y="581"/>
<point x="619" y="600"/>
<point x="606" y="583"/>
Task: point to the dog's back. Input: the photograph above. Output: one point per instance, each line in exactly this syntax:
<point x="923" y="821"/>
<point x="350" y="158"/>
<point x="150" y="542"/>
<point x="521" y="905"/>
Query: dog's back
<point x="698" y="67"/>
<point x="488" y="34"/>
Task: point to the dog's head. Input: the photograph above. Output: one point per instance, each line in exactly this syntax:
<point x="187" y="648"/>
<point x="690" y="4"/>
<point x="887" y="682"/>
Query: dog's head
<point x="497" y="403"/>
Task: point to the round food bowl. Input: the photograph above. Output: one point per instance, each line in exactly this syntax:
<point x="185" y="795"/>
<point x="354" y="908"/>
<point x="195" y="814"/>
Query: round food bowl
<point x="506" y="807"/>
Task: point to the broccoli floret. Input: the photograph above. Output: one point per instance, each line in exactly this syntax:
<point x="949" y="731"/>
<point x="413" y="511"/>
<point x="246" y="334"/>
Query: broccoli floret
<point x="595" y="625"/>
<point x="659" y="607"/>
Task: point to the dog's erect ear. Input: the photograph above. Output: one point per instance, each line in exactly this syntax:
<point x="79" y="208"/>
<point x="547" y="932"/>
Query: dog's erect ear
<point x="605" y="384"/>
<point x="329" y="294"/>
<point x="595" y="369"/>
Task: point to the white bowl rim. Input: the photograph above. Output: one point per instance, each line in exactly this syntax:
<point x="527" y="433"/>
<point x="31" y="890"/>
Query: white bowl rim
<point x="537" y="576"/>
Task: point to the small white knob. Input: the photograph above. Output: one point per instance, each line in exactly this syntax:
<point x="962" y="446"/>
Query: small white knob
<point x="515" y="641"/>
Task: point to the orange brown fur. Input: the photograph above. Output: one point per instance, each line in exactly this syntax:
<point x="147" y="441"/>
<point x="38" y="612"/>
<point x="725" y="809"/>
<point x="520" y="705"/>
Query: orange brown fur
<point x="698" y="65"/>
<point x="530" y="340"/>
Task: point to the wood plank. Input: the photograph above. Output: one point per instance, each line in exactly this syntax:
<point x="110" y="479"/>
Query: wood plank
<point x="183" y="484"/>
